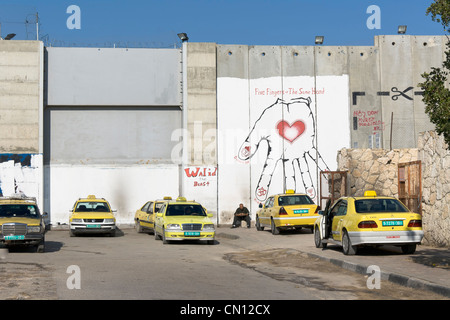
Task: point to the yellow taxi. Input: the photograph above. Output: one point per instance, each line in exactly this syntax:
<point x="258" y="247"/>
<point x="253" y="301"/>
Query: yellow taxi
<point x="184" y="220"/>
<point x="21" y="223"/>
<point x="288" y="210"/>
<point x="144" y="218"/>
<point x="92" y="215"/>
<point x="353" y="222"/>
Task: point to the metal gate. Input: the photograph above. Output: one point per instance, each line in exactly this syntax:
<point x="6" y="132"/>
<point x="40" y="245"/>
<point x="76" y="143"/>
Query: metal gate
<point x="333" y="185"/>
<point x="410" y="185"/>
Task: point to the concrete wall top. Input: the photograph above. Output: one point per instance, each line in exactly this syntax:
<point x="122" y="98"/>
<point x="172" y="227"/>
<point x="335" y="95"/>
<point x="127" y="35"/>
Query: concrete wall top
<point x="113" y="77"/>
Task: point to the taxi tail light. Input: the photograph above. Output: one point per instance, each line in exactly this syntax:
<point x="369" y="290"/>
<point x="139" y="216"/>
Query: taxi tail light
<point x="282" y="211"/>
<point x="415" y="224"/>
<point x="367" y="224"/>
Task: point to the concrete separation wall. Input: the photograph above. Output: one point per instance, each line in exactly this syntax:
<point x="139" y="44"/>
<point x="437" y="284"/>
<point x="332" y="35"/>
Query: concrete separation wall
<point x="21" y="118"/>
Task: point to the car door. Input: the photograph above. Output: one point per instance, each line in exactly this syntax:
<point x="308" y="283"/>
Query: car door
<point x="158" y="222"/>
<point x="145" y="221"/>
<point x="339" y="213"/>
<point x="265" y="212"/>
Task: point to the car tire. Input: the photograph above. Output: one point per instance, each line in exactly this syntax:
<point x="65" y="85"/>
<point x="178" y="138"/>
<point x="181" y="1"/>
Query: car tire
<point x="157" y="236"/>
<point x="165" y="241"/>
<point x="138" y="226"/>
<point x="347" y="248"/>
<point x="273" y="228"/>
<point x="40" y="247"/>
<point x="258" y="225"/>
<point x="409" y="248"/>
<point x="318" y="240"/>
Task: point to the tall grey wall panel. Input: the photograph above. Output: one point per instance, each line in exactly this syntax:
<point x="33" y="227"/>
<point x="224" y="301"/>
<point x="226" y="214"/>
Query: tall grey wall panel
<point x="113" y="77"/>
<point x="87" y="136"/>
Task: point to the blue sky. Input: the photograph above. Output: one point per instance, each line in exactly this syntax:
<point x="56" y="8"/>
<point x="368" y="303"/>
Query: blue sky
<point x="155" y="23"/>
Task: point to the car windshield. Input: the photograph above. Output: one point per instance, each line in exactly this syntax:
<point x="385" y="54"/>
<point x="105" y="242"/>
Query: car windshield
<point x="19" y="210"/>
<point x="294" y="200"/>
<point x="379" y="205"/>
<point x="92" y="206"/>
<point x="185" y="210"/>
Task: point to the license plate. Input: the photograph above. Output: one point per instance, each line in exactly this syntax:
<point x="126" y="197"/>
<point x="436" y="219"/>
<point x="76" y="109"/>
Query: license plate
<point x="191" y="234"/>
<point x="392" y="223"/>
<point x="93" y="226"/>
<point x="301" y="211"/>
<point x="14" y="237"/>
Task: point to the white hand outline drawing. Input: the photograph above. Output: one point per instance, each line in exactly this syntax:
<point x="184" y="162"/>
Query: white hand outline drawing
<point x="289" y="129"/>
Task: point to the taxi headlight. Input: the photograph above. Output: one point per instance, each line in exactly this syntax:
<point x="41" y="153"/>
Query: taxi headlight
<point x="33" y="229"/>
<point x="208" y="227"/>
<point x="108" y="221"/>
<point x="173" y="226"/>
<point x="77" y="220"/>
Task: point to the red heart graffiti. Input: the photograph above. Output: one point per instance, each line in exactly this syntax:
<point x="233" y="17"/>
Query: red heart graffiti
<point x="290" y="132"/>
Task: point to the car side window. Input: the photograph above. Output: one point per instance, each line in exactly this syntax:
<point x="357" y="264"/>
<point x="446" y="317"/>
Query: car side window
<point x="334" y="210"/>
<point x="145" y="207"/>
<point x="342" y="210"/>
<point x="269" y="203"/>
<point x="150" y="208"/>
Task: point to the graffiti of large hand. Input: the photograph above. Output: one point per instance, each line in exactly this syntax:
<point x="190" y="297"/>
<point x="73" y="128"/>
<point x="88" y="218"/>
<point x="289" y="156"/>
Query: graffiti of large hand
<point x="288" y="129"/>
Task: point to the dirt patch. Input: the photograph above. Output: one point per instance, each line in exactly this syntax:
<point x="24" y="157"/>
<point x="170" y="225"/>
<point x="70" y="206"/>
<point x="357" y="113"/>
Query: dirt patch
<point x="26" y="281"/>
<point x="330" y="281"/>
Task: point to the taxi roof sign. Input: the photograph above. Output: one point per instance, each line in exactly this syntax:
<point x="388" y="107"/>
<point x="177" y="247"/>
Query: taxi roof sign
<point x="91" y="196"/>
<point x="181" y="199"/>
<point x="290" y="191"/>
<point x="370" y="193"/>
<point x="167" y="198"/>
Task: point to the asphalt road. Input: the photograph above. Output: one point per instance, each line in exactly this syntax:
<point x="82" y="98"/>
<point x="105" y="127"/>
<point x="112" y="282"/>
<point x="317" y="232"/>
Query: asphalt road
<point x="243" y="265"/>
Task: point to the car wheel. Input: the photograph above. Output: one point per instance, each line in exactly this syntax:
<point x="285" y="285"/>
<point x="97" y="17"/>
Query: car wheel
<point x="157" y="236"/>
<point x="258" y="224"/>
<point x="347" y="246"/>
<point x="165" y="241"/>
<point x="138" y="226"/>
<point x="318" y="240"/>
<point x="273" y="228"/>
<point x="40" y="247"/>
<point x="409" y="248"/>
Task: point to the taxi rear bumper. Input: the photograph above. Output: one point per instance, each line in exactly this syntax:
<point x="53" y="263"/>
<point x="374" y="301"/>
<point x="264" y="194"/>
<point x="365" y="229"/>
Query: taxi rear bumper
<point x="304" y="221"/>
<point x="386" y="237"/>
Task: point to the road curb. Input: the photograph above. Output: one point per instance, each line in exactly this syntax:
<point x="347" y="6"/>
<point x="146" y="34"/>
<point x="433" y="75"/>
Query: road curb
<point x="389" y="276"/>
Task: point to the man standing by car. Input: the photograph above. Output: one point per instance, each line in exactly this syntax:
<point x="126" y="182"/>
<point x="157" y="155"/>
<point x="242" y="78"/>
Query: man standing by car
<point x="241" y="213"/>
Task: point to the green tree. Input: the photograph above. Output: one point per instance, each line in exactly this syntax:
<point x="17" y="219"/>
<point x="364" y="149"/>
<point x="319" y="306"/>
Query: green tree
<point x="436" y="93"/>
